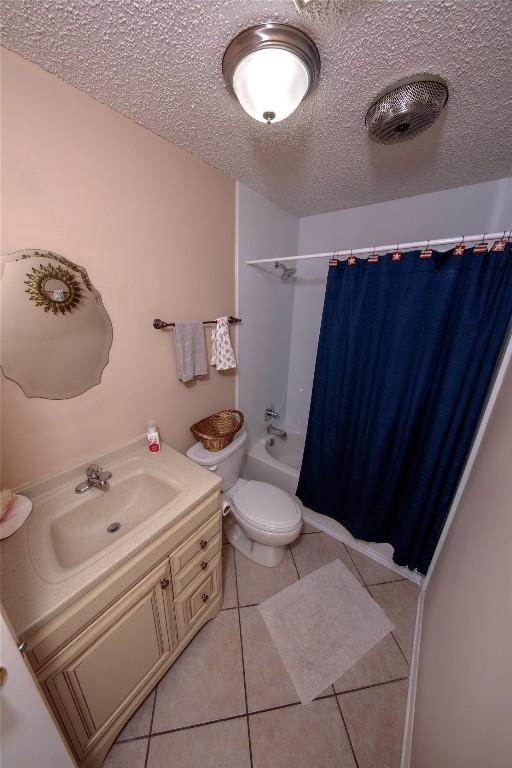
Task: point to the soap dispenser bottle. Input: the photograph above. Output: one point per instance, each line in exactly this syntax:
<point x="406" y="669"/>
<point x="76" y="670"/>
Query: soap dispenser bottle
<point x="153" y="437"/>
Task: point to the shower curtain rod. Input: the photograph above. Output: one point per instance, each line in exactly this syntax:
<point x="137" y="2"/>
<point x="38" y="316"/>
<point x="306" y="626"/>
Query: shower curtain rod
<point x="401" y="246"/>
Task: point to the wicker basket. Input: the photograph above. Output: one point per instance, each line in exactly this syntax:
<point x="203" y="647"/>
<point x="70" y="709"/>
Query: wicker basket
<point x="215" y="432"/>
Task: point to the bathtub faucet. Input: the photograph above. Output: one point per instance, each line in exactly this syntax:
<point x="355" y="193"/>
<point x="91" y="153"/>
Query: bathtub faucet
<point x="271" y="430"/>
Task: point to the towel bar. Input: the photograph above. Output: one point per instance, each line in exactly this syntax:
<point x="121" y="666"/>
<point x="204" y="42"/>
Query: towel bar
<point x="159" y="324"/>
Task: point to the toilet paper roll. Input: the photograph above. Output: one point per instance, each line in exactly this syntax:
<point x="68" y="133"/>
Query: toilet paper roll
<point x="226" y="508"/>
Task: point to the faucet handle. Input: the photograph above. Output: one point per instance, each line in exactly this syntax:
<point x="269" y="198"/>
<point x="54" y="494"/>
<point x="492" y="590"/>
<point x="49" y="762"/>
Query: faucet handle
<point x="95" y="472"/>
<point x="271" y="412"/>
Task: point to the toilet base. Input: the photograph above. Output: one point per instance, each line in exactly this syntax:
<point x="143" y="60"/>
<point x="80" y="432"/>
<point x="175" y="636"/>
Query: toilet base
<point x="260" y="553"/>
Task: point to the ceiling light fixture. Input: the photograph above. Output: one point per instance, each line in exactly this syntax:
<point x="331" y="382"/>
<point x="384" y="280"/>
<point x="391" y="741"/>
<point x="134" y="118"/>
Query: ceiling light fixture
<point x="270" y="69"/>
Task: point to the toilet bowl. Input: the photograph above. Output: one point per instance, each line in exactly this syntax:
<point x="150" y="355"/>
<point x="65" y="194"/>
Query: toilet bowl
<point x="261" y="518"/>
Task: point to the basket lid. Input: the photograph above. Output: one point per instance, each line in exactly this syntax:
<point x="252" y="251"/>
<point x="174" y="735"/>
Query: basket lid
<point x="206" y="458"/>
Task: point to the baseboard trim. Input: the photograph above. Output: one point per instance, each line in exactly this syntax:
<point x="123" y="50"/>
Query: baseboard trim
<point x="413" y="682"/>
<point x="332" y="528"/>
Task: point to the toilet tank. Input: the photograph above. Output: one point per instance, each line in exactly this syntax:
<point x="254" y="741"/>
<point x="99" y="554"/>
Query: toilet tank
<point x="226" y="463"/>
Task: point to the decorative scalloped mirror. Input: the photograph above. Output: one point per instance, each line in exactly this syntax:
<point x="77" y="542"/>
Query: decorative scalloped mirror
<point x="56" y="334"/>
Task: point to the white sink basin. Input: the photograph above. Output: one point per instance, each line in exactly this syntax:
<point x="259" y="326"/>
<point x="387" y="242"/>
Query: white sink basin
<point x="104" y="516"/>
<point x="68" y="531"/>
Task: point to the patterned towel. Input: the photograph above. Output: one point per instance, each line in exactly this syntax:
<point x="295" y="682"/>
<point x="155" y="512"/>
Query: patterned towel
<point x="223" y="356"/>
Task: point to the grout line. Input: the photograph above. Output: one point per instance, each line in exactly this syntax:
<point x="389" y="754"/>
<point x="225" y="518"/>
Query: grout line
<point x="368" y="588"/>
<point x="243" y="663"/>
<point x="348" y="734"/>
<point x="295" y="564"/>
<point x="373" y="685"/>
<point x="199" y="725"/>
<point x="400" y="648"/>
<point x="151" y="726"/>
<point x="383" y="583"/>
<point x="231" y="608"/>
<point x="257" y="712"/>
<point x="355" y="566"/>
<point x="291" y="704"/>
<point x="131" y="738"/>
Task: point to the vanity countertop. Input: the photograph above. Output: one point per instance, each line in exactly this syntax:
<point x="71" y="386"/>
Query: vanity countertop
<point x="33" y="596"/>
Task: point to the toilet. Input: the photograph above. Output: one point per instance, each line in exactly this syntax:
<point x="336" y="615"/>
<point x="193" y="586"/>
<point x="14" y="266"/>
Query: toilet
<point x="262" y="519"/>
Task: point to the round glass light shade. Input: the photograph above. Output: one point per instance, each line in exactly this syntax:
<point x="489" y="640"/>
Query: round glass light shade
<point x="271" y="81"/>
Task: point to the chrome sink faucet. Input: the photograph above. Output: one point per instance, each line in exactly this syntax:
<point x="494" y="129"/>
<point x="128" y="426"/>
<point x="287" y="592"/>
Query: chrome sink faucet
<point x="96" y="478"/>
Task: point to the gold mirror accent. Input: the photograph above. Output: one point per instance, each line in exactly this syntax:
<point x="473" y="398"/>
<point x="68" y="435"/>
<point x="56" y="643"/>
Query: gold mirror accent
<point x="53" y="288"/>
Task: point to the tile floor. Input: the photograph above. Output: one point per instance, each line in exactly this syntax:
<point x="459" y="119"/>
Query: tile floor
<point x="243" y="712"/>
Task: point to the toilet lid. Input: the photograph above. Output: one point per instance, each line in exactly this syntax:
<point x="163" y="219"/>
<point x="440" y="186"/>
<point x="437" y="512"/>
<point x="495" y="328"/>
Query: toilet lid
<point x="266" y="507"/>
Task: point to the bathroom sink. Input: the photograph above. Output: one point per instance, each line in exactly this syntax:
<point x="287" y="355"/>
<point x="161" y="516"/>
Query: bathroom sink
<point x="103" y="516"/>
<point x="68" y="531"/>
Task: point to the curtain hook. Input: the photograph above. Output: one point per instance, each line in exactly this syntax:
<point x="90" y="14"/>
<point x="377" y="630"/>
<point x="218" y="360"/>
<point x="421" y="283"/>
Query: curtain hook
<point x="396" y="255"/>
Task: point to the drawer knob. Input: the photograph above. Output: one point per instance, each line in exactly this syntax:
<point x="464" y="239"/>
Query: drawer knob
<point x="204" y="565"/>
<point x="164" y="583"/>
<point x="204" y="597"/>
<point x="203" y="543"/>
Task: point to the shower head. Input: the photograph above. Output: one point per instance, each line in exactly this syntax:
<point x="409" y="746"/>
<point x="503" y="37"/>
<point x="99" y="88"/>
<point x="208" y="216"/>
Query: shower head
<point x="287" y="272"/>
<point x="406" y="111"/>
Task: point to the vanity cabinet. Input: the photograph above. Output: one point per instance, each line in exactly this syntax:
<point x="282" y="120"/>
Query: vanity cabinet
<point x="106" y="664"/>
<point x="99" y="660"/>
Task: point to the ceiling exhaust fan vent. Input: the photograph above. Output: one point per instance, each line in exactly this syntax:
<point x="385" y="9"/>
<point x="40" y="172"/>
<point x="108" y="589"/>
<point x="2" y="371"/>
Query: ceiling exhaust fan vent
<point x="406" y="111"/>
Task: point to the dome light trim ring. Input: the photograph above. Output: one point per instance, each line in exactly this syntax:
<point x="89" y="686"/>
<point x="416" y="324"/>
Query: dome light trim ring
<point x="271" y="35"/>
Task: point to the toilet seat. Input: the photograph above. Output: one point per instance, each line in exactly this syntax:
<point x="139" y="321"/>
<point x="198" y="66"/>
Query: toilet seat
<point x="267" y="508"/>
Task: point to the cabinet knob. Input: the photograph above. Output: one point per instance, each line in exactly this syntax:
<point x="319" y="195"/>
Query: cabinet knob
<point x="164" y="583"/>
<point x="204" y="597"/>
<point x="204" y="565"/>
<point x="3" y="676"/>
<point x="203" y="543"/>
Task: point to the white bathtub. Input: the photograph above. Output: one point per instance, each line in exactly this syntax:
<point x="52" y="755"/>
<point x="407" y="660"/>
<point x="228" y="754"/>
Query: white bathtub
<point x="279" y="464"/>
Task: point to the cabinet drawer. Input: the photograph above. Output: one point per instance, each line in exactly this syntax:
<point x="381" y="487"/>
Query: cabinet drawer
<point x="195" y="544"/>
<point x="191" y="605"/>
<point x="201" y="564"/>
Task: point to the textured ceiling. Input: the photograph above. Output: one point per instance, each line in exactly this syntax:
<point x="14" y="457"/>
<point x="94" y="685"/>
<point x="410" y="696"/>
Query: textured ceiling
<point x="159" y="63"/>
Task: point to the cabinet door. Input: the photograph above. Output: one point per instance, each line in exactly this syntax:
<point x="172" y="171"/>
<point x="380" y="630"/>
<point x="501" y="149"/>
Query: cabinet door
<point x="115" y="657"/>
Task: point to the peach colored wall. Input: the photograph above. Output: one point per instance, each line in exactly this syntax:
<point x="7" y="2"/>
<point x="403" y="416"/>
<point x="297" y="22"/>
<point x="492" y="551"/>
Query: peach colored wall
<point x="464" y="695"/>
<point x="153" y="226"/>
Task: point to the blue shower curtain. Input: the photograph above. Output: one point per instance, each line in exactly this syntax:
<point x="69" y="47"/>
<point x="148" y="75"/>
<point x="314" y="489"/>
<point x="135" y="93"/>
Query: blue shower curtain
<point x="406" y="354"/>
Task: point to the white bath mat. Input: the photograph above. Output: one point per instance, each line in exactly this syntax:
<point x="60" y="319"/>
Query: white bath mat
<point x="322" y="625"/>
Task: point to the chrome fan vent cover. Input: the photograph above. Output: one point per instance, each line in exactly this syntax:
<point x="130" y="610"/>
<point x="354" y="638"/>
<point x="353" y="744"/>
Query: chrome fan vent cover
<point x="406" y="111"/>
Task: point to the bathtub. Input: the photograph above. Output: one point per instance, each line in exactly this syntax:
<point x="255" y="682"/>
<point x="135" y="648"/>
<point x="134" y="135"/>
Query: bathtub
<point x="277" y="461"/>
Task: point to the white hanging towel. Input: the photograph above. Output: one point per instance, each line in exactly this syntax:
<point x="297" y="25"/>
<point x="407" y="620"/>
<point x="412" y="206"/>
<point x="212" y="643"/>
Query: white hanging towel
<point x="190" y="350"/>
<point x="223" y="356"/>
